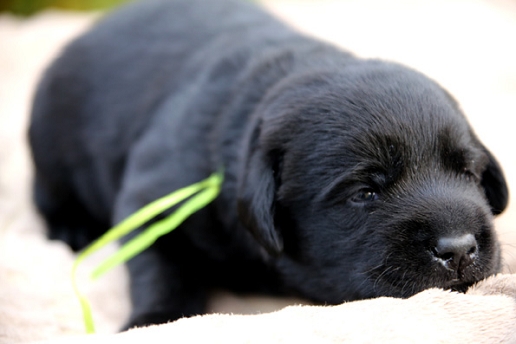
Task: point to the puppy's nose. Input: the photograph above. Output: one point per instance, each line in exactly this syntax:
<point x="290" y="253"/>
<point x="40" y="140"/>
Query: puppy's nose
<point x="456" y="252"/>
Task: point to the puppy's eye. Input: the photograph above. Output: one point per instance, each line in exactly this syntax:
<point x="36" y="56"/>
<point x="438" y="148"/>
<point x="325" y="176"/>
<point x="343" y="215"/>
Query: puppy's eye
<point x="470" y="176"/>
<point x="365" y="196"/>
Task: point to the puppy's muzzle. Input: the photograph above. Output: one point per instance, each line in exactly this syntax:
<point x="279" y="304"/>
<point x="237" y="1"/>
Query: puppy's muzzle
<point x="457" y="252"/>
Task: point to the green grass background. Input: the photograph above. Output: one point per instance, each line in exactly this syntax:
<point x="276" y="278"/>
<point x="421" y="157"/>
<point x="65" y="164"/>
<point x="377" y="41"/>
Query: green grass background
<point x="28" y="7"/>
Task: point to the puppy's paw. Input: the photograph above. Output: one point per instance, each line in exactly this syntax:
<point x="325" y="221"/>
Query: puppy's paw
<point x="146" y="319"/>
<point x="76" y="236"/>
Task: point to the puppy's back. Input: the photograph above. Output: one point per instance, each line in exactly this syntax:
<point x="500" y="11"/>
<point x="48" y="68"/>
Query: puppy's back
<point x="145" y="51"/>
<point x="99" y="96"/>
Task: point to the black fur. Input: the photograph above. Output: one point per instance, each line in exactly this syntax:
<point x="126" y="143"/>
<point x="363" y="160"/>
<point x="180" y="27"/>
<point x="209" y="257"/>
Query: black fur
<point x="344" y="178"/>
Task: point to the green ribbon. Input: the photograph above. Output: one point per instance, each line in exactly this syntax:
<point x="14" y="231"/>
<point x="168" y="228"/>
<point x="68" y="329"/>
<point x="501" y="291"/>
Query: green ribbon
<point x="201" y="193"/>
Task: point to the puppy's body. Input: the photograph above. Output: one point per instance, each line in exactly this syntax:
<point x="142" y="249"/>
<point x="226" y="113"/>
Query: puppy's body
<point x="344" y="178"/>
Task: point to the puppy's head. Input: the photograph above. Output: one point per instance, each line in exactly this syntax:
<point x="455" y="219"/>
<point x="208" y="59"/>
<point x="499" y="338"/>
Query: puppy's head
<point x="370" y="182"/>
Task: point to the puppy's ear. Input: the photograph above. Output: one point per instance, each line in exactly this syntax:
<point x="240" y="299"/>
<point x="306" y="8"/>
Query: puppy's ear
<point x="257" y="193"/>
<point x="495" y="186"/>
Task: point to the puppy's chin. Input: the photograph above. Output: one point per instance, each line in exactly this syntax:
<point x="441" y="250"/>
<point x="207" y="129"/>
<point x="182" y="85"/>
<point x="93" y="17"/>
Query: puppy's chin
<point x="408" y="284"/>
<point x="326" y="285"/>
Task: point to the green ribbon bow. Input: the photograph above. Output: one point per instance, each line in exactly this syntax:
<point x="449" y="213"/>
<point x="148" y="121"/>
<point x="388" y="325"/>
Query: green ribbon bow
<point x="201" y="193"/>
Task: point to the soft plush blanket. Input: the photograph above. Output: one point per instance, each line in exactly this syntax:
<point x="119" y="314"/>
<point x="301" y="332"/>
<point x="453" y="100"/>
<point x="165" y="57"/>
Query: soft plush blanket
<point x="467" y="46"/>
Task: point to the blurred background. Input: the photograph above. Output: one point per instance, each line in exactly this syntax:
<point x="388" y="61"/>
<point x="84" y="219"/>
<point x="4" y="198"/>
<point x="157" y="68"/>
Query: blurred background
<point x="28" y="7"/>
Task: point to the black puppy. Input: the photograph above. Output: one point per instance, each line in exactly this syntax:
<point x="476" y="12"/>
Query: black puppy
<point x="344" y="178"/>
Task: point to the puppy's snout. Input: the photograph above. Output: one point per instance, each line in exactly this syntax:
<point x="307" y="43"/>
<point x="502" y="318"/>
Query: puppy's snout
<point x="456" y="252"/>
